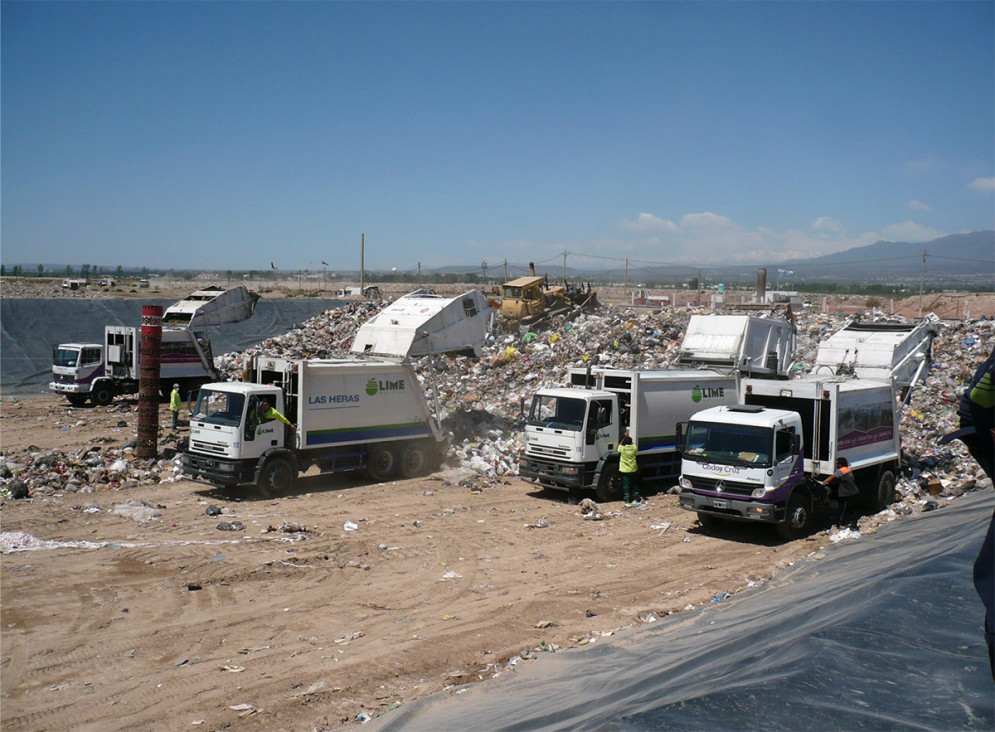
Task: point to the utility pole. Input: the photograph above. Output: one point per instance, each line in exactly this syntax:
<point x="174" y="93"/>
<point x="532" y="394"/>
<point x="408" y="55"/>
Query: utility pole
<point x="506" y="270"/>
<point x="922" y="280"/>
<point x="626" y="272"/>
<point x="564" y="265"/>
<point x="419" y="275"/>
<point x="362" y="263"/>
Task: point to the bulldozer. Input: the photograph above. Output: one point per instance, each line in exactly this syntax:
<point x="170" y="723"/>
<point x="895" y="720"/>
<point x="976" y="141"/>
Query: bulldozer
<point x="528" y="300"/>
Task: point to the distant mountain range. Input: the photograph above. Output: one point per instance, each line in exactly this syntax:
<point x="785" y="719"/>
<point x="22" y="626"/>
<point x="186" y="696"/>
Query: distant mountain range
<point x="958" y="254"/>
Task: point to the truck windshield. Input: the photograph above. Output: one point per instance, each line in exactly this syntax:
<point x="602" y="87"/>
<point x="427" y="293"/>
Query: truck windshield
<point x="558" y="412"/>
<point x="66" y="357"/>
<point x="219" y="407"/>
<point x="732" y="444"/>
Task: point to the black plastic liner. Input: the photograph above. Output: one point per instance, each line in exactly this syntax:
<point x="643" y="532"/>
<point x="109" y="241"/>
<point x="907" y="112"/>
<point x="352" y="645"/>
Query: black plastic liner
<point x="884" y="633"/>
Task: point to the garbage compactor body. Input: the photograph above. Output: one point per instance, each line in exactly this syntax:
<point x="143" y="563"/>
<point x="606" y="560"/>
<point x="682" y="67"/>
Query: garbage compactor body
<point x="350" y="414"/>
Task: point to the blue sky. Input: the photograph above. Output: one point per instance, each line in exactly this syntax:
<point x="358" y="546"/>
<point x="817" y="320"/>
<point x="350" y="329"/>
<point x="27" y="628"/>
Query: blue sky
<point x="229" y="135"/>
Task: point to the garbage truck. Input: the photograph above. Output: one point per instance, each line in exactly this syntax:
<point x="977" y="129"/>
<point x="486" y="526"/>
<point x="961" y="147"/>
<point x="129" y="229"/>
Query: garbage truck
<point x="350" y="414"/>
<point x="572" y="432"/>
<point x="762" y="460"/>
<point x="101" y="371"/>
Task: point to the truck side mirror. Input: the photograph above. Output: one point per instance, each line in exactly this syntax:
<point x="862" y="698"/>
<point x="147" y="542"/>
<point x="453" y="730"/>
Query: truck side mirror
<point x="679" y="438"/>
<point x="796" y="444"/>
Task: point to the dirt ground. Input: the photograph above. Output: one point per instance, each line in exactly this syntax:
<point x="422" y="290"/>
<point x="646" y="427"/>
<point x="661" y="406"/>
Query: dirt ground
<point x="387" y="593"/>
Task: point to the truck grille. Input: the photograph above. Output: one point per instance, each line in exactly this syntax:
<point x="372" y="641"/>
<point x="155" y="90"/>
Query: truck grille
<point x="64" y="378"/>
<point x="207" y="447"/>
<point x="544" y="451"/>
<point x="728" y="487"/>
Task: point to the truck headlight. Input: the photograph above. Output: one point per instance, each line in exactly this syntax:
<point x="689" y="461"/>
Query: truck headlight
<point x="571" y="470"/>
<point x="685" y="483"/>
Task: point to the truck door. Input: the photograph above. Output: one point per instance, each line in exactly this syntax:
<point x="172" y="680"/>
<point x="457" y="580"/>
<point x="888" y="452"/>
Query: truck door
<point x="785" y="457"/>
<point x="601" y="429"/>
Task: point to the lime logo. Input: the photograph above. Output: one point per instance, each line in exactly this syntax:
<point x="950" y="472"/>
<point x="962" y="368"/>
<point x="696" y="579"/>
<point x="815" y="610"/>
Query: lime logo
<point x="696" y="394"/>
<point x="371" y="387"/>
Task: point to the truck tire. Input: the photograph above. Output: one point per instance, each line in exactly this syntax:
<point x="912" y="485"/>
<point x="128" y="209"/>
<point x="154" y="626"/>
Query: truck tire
<point x="102" y="395"/>
<point x="796" y="517"/>
<point x="414" y="460"/>
<point x="886" y="491"/>
<point x="381" y="463"/>
<point x="77" y="400"/>
<point x="609" y="486"/>
<point x="277" y="476"/>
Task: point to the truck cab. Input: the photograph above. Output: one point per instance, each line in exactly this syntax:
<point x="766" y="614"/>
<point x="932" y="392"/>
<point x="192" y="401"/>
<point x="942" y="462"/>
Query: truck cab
<point x="742" y="462"/>
<point x="229" y="437"/>
<point x="567" y="433"/>
<point x="75" y="366"/>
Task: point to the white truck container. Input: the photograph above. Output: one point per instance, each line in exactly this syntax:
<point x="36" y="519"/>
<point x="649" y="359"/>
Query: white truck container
<point x="879" y="350"/>
<point x="350" y="414"/>
<point x="186" y="356"/>
<point x="422" y="323"/>
<point x="748" y="344"/>
<point x="572" y="433"/>
<point x="761" y="460"/>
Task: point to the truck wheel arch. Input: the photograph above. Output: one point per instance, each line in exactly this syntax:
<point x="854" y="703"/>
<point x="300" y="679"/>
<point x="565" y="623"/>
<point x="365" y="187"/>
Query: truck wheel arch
<point x="102" y="393"/>
<point x="276" y="472"/>
<point x="797" y="515"/>
<point x="609" y="485"/>
<point x="381" y="462"/>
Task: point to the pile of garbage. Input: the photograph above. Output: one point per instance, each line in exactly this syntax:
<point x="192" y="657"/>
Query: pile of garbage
<point x="481" y="400"/>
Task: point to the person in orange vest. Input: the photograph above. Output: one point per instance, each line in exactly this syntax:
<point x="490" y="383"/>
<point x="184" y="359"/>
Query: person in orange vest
<point x="841" y="483"/>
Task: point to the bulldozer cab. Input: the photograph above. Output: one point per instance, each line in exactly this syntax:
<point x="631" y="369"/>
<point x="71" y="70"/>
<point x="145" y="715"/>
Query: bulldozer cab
<point x="523" y="297"/>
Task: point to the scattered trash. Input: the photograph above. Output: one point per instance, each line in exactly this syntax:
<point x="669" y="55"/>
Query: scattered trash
<point x="231" y="526"/>
<point x="452" y="575"/>
<point x="213" y="511"/>
<point x="140" y="511"/>
<point x="350" y="526"/>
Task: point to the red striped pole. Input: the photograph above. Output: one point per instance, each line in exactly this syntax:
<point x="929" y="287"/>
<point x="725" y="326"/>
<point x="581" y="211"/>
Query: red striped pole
<point x="148" y="382"/>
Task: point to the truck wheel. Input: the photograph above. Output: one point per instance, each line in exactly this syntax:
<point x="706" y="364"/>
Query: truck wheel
<point x="796" y="517"/>
<point x="381" y="463"/>
<point x="77" y="400"/>
<point x="414" y="461"/>
<point x="102" y="395"/>
<point x="610" y="486"/>
<point x="886" y="490"/>
<point x="277" y="476"/>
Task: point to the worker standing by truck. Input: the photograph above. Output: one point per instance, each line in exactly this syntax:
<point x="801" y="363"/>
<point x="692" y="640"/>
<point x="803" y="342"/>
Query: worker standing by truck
<point x="174" y="405"/>
<point x="629" y="470"/>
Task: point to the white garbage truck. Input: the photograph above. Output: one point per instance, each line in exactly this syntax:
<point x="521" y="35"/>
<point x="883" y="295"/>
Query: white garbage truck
<point x="572" y="432"/>
<point x="350" y="414"/>
<point x="101" y="371"/>
<point x="762" y="459"/>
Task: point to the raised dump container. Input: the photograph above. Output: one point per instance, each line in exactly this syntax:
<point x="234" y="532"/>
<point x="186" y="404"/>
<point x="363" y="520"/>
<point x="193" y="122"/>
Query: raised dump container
<point x="879" y="350"/>
<point x="749" y="344"/>
<point x="422" y="323"/>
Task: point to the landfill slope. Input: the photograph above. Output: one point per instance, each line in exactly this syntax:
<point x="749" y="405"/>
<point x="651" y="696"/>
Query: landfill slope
<point x="869" y="636"/>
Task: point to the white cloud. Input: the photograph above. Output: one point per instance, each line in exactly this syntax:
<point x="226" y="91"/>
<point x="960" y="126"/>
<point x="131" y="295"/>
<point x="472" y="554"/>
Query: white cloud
<point x="982" y="184"/>
<point x="648" y="223"/>
<point x="711" y="238"/>
<point x="916" y="205"/>
<point x="824" y="223"/>
<point x="909" y="231"/>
